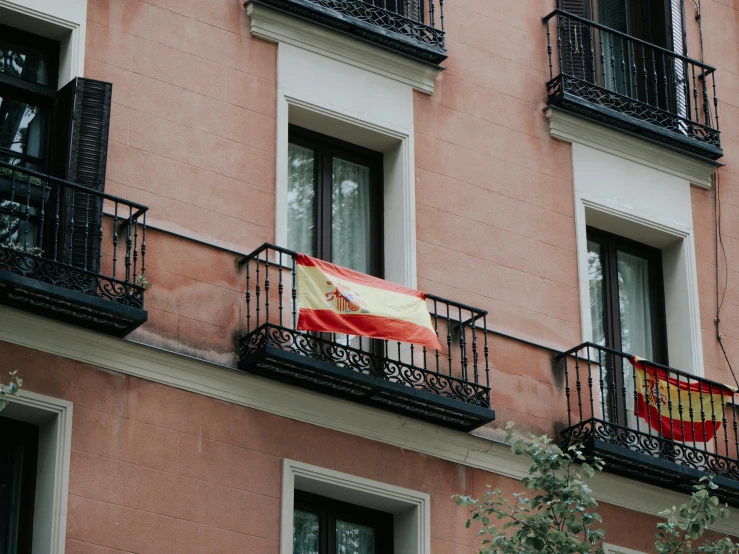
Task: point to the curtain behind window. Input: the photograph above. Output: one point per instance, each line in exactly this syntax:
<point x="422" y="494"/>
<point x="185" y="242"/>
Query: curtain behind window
<point x="301" y="199"/>
<point x="350" y="213"/>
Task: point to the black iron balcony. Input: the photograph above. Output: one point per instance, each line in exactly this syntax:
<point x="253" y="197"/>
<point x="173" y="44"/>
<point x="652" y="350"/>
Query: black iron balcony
<point x="413" y="28"/>
<point x="645" y="425"/>
<point x="70" y="252"/>
<point x="610" y="77"/>
<point x="450" y="388"/>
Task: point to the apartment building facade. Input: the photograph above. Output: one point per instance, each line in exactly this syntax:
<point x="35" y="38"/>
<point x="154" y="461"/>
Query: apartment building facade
<point x="560" y="179"/>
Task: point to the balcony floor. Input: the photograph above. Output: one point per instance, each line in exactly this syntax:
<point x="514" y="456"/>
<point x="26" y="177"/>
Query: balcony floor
<point x="654" y="460"/>
<point x="610" y="108"/>
<point x="324" y="366"/>
<point x="69" y="294"/>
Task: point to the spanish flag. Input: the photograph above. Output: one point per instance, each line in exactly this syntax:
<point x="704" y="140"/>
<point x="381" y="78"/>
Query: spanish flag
<point x="335" y="299"/>
<point x="657" y="390"/>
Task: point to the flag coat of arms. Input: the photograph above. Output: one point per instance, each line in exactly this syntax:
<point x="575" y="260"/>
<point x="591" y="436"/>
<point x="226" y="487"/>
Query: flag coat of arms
<point x="335" y="299"/>
<point x="656" y="389"/>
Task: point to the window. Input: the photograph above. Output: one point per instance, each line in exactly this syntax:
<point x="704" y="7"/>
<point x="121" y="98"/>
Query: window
<point x="28" y="84"/>
<point x="335" y="201"/>
<point x="18" y="460"/>
<point x="627" y="311"/>
<point x="626" y="295"/>
<point x="326" y="526"/>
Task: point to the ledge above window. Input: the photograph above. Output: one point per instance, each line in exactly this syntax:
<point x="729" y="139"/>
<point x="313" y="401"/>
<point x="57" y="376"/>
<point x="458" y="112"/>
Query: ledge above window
<point x="412" y="28"/>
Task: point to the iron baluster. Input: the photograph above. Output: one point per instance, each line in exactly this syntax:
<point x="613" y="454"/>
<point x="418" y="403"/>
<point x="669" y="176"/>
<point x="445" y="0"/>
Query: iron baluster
<point x="634" y="71"/>
<point x="135" y="225"/>
<point x="713" y="417"/>
<point x="636" y="400"/>
<point x="567" y="391"/>
<point x="669" y="404"/>
<point x="570" y="52"/>
<point x="549" y="52"/>
<point x="603" y="406"/>
<point x="695" y="94"/>
<point x="294" y="293"/>
<point x="578" y="384"/>
<point x="592" y="54"/>
<point x="441" y="13"/>
<point x="449" y="338"/>
<point x="485" y="348"/>
<point x="436" y="330"/>
<point x="431" y="13"/>
<point x="474" y="348"/>
<point x="645" y="71"/>
<point x="280" y="288"/>
<point x="691" y="412"/>
<point x="115" y="237"/>
<point x="735" y="425"/>
<point x="42" y="215"/>
<point x="703" y="416"/>
<point x="257" y="290"/>
<point x="462" y="344"/>
<point x="704" y="92"/>
<point x="12" y="225"/>
<point x="624" y="72"/>
<point x="248" y="297"/>
<point x="648" y="402"/>
<point x="28" y="211"/>
<point x="266" y="285"/>
<point x="602" y="58"/>
<point x="715" y="99"/>
<point x="86" y="231"/>
<point x="623" y="391"/>
<point x="613" y="65"/>
<point x="590" y="386"/>
<point x="143" y="245"/>
<point x="655" y="82"/>
<point x="70" y="242"/>
<point x="100" y="244"/>
<point x="725" y="423"/>
<point x="666" y="97"/>
<point x="129" y="244"/>
<point x="680" y="409"/>
<point x="559" y="43"/>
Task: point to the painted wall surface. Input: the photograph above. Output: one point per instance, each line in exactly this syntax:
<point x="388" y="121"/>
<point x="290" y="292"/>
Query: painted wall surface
<point x="193" y="136"/>
<point x="159" y="470"/>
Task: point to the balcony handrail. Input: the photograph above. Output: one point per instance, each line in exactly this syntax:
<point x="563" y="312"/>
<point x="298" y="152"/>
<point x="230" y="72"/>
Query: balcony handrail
<point x="669" y="369"/>
<point x="104" y="195"/>
<point x="254" y="255"/>
<point x="707" y="68"/>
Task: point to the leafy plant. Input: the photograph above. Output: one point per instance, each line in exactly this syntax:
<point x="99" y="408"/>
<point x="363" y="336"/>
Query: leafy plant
<point x="12" y="388"/>
<point x="143" y="282"/>
<point x="557" y="512"/>
<point x="18" y="247"/>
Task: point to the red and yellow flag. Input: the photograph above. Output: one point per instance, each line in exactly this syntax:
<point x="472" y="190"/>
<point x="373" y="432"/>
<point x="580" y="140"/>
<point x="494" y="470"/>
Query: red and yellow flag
<point x="335" y="299"/>
<point x="663" y="389"/>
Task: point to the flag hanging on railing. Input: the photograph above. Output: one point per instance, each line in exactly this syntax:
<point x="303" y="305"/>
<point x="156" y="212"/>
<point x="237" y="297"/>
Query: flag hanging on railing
<point x="666" y="394"/>
<point x="335" y="299"/>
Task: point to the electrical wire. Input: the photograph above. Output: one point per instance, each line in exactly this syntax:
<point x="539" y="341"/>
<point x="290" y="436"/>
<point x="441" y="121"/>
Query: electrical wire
<point x="720" y="244"/>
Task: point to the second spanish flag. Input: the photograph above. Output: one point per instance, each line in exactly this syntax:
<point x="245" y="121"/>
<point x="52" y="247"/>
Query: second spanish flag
<point x="335" y="299"/>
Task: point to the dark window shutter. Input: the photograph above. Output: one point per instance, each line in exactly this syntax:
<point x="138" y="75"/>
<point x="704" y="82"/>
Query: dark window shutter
<point x="82" y="123"/>
<point x="576" y="39"/>
<point x="576" y="7"/>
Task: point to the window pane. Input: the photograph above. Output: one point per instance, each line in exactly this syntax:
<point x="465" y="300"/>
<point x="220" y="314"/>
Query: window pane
<point x="305" y="533"/>
<point x="597" y="308"/>
<point x="24" y="63"/>
<point x="301" y="199"/>
<point x="21" y="128"/>
<point x="635" y="305"/>
<point x="350" y="212"/>
<point x="354" y="539"/>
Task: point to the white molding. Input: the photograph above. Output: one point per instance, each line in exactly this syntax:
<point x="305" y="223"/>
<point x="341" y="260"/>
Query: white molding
<point x="570" y="128"/>
<point x="63" y="21"/>
<point x="356" y="488"/>
<point x="223" y="383"/>
<point x="54" y="512"/>
<point x="275" y="26"/>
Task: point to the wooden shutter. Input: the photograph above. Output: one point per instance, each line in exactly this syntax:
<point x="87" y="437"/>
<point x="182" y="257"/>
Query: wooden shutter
<point x="82" y="123"/>
<point x="576" y="62"/>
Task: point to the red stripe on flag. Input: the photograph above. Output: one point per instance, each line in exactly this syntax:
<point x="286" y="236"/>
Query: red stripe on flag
<point x="367" y="326"/>
<point x="356" y="276"/>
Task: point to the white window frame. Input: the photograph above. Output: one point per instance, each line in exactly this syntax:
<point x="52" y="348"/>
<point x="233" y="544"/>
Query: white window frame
<point x="64" y="21"/>
<point x="613" y="549"/>
<point x="411" y="509"/>
<point x="54" y="419"/>
<point x="633" y="188"/>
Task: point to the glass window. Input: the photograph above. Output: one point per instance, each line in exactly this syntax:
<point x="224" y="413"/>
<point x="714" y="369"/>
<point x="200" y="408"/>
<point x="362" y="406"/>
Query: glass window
<point x="326" y="526"/>
<point x="18" y="459"/>
<point x="334" y="197"/>
<point x="28" y="79"/>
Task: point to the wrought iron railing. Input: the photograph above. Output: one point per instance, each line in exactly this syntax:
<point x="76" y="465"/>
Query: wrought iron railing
<point x="597" y="66"/>
<point x="461" y="372"/>
<point x="64" y="234"/>
<point x="411" y="27"/>
<point x="608" y="401"/>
